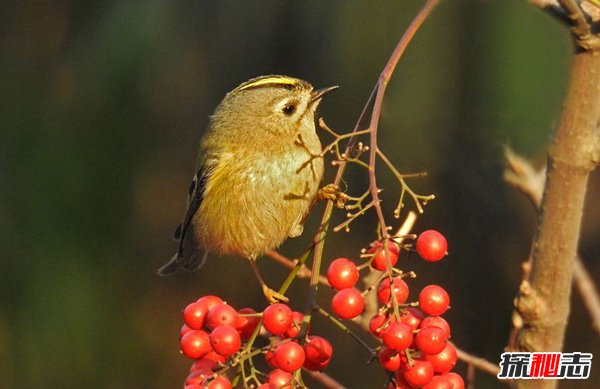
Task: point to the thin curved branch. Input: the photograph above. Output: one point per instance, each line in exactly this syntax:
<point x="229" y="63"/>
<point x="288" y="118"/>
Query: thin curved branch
<point x="372" y="108"/>
<point x="478" y="362"/>
<point x="384" y="79"/>
<point x="325" y="380"/>
<point x="303" y="272"/>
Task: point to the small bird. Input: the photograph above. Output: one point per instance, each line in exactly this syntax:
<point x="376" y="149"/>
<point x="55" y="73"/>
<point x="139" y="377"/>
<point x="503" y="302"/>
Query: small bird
<point x="258" y="174"/>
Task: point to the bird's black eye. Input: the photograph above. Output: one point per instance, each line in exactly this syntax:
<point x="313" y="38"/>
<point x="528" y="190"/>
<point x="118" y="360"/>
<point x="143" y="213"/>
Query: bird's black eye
<point x="289" y="109"/>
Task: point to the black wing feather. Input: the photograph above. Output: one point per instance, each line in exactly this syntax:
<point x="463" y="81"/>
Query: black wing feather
<point x="187" y="257"/>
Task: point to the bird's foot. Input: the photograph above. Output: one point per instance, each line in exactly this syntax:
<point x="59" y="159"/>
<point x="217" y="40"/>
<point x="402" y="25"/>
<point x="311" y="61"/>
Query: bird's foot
<point x="274" y="297"/>
<point x="332" y="192"/>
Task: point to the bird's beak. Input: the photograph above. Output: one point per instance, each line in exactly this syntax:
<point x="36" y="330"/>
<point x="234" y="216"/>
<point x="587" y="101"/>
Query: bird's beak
<point x="319" y="93"/>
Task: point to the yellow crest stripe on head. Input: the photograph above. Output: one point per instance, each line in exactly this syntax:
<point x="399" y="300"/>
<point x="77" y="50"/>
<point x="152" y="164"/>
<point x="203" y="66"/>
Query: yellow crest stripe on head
<point x="269" y="80"/>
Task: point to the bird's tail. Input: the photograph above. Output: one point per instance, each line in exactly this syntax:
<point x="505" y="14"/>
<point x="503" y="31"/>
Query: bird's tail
<point x="191" y="262"/>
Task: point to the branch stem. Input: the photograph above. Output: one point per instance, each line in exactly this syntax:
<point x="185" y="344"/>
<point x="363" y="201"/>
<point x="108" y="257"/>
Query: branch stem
<point x="542" y="307"/>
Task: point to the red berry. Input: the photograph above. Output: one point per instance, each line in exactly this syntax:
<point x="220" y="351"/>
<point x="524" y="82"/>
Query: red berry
<point x="277" y="318"/>
<point x="398" y="336"/>
<point x="225" y="340"/>
<point x="347" y="303"/>
<point x="219" y="382"/>
<point x="294" y="329"/>
<point x="438" y="382"/>
<point x="342" y="273"/>
<point x="270" y="359"/>
<point x="246" y="324"/>
<point x="195" y="344"/>
<point x="194" y="315"/>
<point x="289" y="356"/>
<point x="213" y="356"/>
<point x="318" y="353"/>
<point x="280" y="379"/>
<point x="390" y="359"/>
<point x="443" y="361"/>
<point x="412" y="317"/>
<point x="437" y="321"/>
<point x="206" y="366"/>
<point x="400" y="291"/>
<point x="379" y="261"/>
<point x="431" y="246"/>
<point x="456" y="380"/>
<point x="376" y="324"/>
<point x="194" y="386"/>
<point x="419" y="374"/>
<point x="184" y="330"/>
<point x="220" y="315"/>
<point x="434" y="300"/>
<point x="210" y="301"/>
<point x="431" y="340"/>
<point x="400" y="382"/>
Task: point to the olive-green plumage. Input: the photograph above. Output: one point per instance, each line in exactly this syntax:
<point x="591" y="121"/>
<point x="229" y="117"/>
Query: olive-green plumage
<point x="259" y="171"/>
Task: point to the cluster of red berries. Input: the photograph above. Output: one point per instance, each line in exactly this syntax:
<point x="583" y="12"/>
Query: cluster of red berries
<point x="415" y="345"/>
<point x="343" y="274"/>
<point x="415" y="341"/>
<point x="315" y="354"/>
<point x="214" y="333"/>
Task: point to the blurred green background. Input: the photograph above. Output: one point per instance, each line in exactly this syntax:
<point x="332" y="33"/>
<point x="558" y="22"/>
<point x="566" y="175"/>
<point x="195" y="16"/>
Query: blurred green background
<point x="102" y="104"/>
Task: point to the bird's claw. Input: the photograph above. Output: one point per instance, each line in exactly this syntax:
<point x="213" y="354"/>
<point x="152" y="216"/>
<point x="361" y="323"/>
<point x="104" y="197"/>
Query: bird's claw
<point x="332" y="192"/>
<point x="274" y="297"/>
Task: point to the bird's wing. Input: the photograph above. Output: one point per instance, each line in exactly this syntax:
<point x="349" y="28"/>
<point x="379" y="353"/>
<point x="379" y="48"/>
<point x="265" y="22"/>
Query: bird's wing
<point x="187" y="257"/>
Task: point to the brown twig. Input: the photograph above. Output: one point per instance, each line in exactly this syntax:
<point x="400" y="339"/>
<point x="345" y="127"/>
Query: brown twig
<point x="374" y="101"/>
<point x="477" y="362"/>
<point x="588" y="291"/>
<point x="303" y="272"/>
<point x="384" y="79"/>
<point x="522" y="175"/>
<point x="325" y="380"/>
<point x="470" y="384"/>
<point x="545" y="4"/>
<point x="379" y="94"/>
